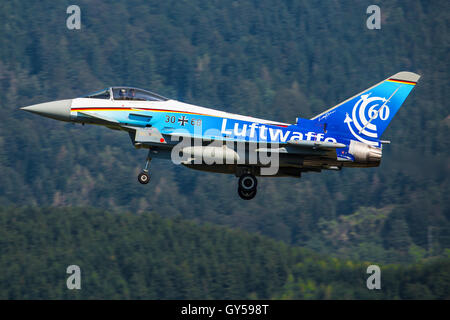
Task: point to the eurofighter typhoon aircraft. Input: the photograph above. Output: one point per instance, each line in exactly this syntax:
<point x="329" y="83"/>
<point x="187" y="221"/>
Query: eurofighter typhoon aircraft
<point x="346" y="135"/>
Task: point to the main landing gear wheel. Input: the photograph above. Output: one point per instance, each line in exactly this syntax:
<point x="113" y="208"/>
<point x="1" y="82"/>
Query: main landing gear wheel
<point x="143" y="178"/>
<point x="247" y="186"/>
<point x="248" y="182"/>
<point x="247" y="195"/>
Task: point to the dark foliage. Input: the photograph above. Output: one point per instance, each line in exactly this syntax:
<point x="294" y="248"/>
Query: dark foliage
<point x="130" y="256"/>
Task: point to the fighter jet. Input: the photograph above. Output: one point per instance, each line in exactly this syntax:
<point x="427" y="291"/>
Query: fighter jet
<point x="346" y="135"/>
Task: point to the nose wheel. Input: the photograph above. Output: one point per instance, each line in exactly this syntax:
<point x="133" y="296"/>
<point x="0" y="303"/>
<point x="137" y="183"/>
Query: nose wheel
<point x="144" y="177"/>
<point x="247" y="185"/>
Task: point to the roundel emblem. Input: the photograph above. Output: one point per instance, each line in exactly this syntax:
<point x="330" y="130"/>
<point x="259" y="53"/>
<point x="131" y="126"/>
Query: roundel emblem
<point x="365" y="110"/>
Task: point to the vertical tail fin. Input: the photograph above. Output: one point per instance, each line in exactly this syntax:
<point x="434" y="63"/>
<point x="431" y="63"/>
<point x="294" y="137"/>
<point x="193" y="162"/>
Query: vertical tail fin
<point x="366" y="115"/>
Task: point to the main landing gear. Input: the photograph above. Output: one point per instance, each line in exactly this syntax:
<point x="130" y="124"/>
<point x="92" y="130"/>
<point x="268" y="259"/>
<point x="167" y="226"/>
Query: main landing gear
<point x="247" y="186"/>
<point x="144" y="177"/>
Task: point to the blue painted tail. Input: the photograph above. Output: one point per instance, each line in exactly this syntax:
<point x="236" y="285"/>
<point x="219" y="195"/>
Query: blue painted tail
<point x="365" y="116"/>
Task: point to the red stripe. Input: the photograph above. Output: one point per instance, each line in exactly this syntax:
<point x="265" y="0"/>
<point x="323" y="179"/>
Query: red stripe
<point x="404" y="81"/>
<point x="175" y="111"/>
<point x="146" y="109"/>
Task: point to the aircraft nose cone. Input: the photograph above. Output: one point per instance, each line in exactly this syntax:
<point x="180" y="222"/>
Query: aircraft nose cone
<point x="59" y="110"/>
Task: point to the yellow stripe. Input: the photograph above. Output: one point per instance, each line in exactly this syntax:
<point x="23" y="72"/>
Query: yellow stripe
<point x="400" y="81"/>
<point x="132" y="109"/>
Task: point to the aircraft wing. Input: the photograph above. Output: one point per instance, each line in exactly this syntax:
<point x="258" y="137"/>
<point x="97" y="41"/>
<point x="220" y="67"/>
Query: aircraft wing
<point x="306" y="148"/>
<point x="315" y="144"/>
<point x="306" y="144"/>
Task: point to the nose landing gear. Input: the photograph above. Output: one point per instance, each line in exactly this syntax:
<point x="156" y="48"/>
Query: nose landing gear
<point x="144" y="177"/>
<point x="247" y="186"/>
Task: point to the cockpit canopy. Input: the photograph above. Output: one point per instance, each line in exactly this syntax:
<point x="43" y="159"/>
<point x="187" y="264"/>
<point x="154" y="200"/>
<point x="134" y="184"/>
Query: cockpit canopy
<point x="126" y="93"/>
